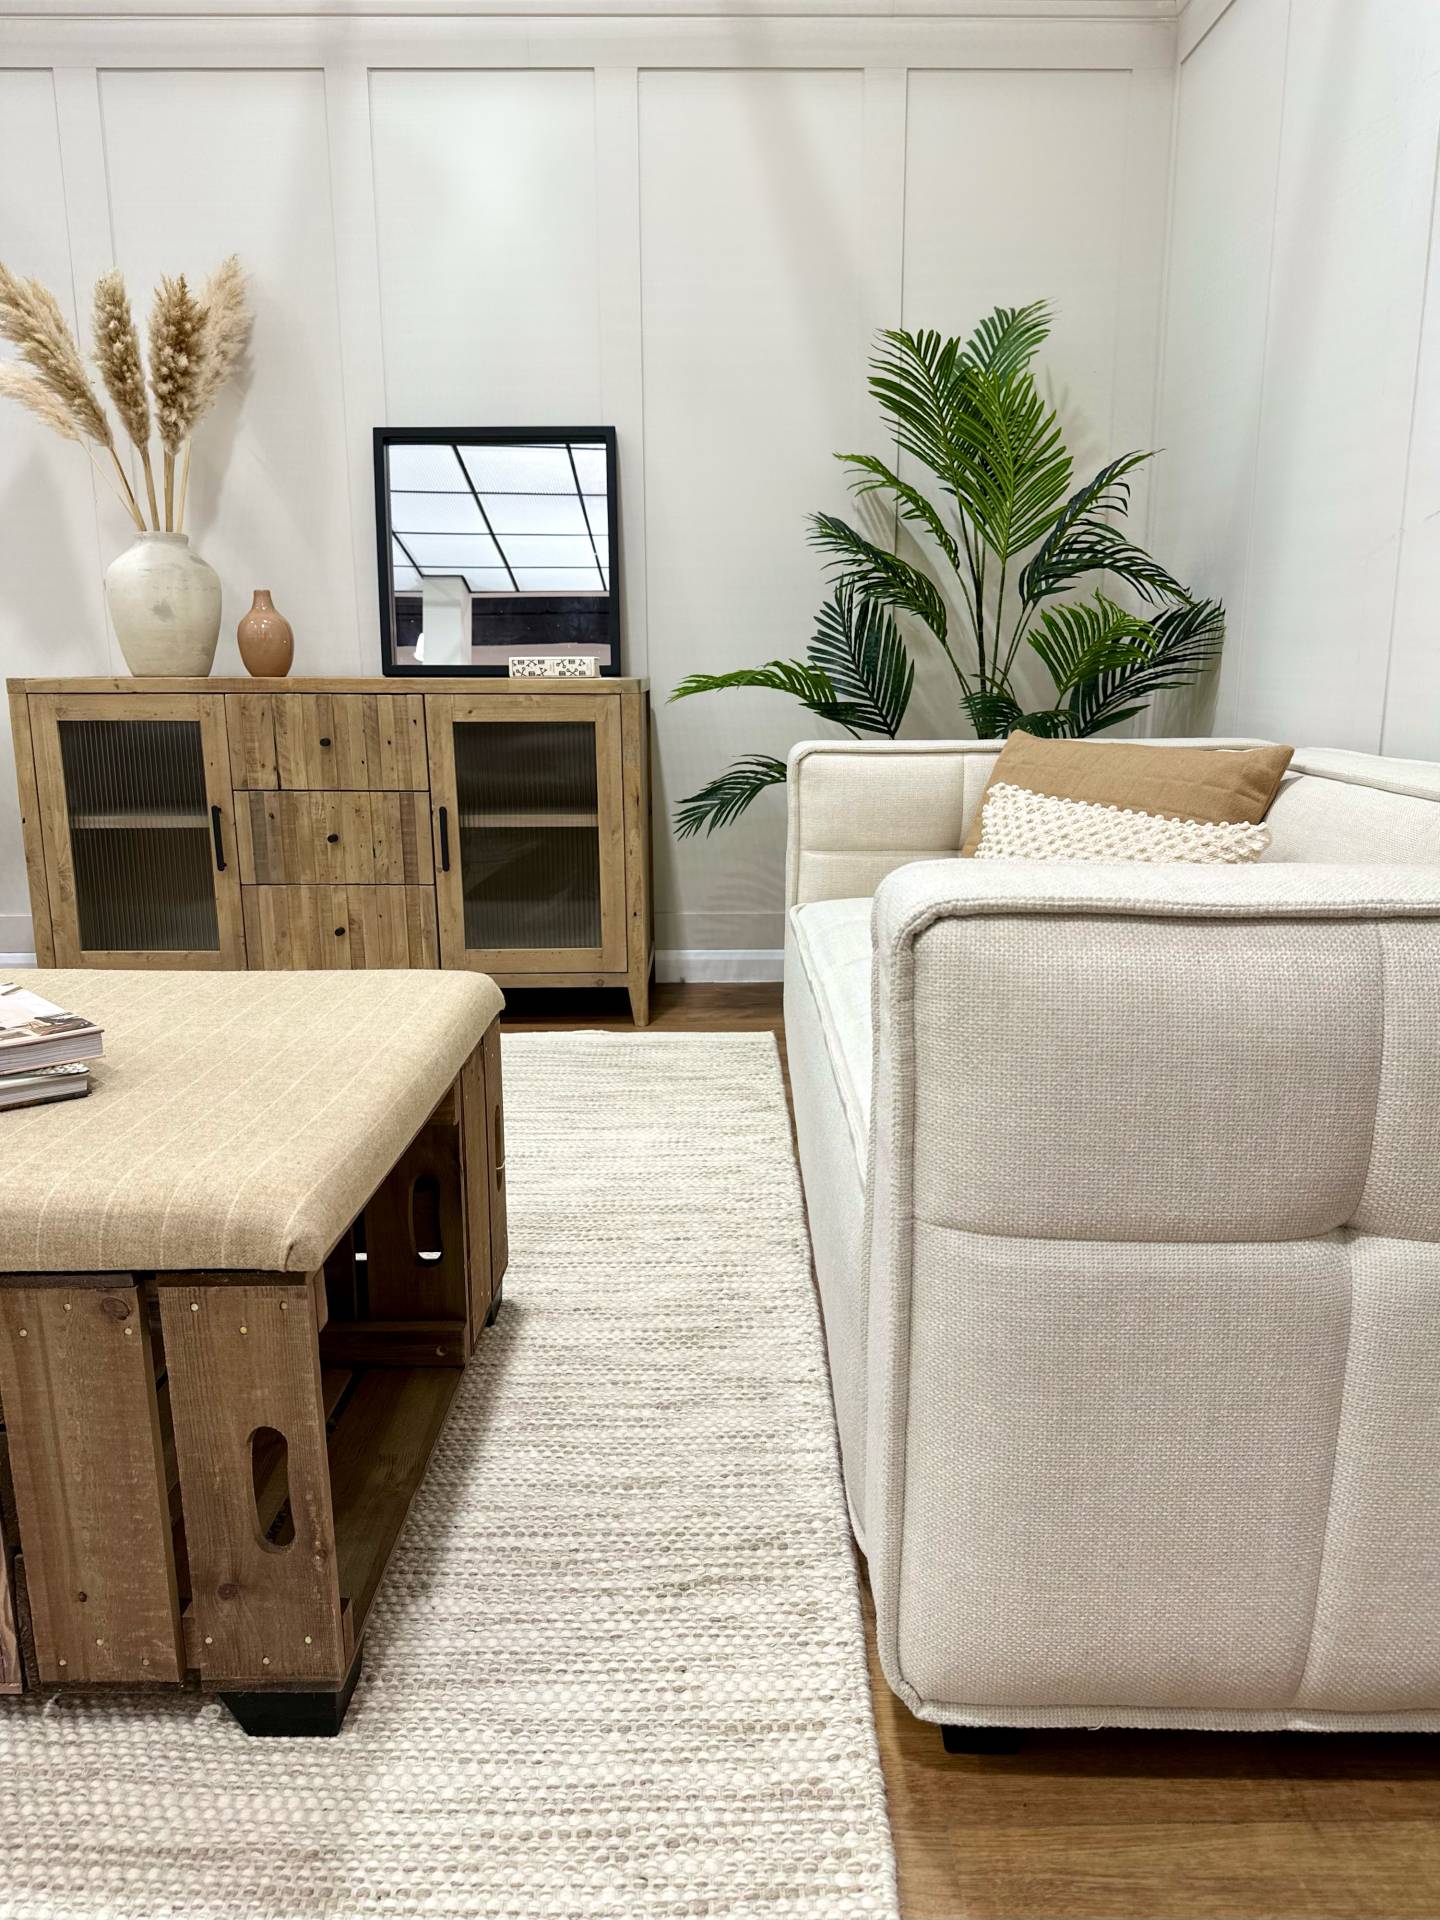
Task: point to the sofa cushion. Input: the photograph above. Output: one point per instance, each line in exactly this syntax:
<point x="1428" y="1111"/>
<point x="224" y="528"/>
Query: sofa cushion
<point x="1212" y="784"/>
<point x="1019" y="825"/>
<point x="832" y="939"/>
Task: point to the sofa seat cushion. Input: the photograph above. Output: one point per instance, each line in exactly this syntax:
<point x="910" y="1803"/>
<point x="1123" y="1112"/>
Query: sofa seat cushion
<point x="237" y="1120"/>
<point x="832" y="938"/>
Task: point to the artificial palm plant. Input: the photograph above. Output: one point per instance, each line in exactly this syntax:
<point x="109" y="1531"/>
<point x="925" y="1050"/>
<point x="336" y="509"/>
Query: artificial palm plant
<point x="1013" y="533"/>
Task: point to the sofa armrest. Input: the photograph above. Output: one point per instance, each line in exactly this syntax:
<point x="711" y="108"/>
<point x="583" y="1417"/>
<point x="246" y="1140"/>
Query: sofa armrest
<point x="1152" y="1152"/>
<point x="1143" y="1053"/>
<point x="860" y="809"/>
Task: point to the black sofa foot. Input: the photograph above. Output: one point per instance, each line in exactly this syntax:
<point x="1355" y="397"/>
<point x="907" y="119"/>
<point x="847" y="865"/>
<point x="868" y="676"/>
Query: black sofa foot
<point x="302" y="1716"/>
<point x="982" y="1739"/>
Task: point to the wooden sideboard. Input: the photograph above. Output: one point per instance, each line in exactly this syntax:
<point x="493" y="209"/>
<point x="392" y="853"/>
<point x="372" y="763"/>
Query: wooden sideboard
<point x="497" y="824"/>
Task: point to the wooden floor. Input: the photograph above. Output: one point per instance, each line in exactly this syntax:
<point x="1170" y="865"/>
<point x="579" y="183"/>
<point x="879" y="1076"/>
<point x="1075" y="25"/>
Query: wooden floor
<point x="1121" y="1825"/>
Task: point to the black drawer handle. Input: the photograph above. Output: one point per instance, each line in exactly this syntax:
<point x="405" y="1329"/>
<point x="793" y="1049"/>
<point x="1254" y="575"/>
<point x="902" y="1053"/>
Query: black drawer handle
<point x="339" y="933"/>
<point x="444" y="839"/>
<point x="333" y="839"/>
<point x="324" y="739"/>
<point x="219" y="842"/>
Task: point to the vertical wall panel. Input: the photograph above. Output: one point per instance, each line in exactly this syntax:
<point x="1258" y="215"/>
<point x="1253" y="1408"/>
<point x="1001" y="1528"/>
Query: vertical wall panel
<point x="50" y="609"/>
<point x="753" y="281"/>
<point x="202" y="164"/>
<point x="1411" y="723"/>
<point x="1015" y="184"/>
<point x="485" y="210"/>
<point x="1222" y="218"/>
<point x="1351" y="234"/>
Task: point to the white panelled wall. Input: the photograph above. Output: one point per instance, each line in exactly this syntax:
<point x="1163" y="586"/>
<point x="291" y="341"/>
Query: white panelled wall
<point x="690" y="227"/>
<point x="1300" y="397"/>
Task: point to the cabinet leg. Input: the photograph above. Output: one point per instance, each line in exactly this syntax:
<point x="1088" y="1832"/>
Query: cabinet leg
<point x="292" y="1716"/>
<point x="639" y="990"/>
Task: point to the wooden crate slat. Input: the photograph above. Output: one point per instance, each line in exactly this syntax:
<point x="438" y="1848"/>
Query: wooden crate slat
<point x="244" y="1359"/>
<point x="77" y="1377"/>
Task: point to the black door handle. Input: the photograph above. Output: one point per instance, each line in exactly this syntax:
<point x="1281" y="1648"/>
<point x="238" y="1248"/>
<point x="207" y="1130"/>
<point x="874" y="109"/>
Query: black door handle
<point x="444" y="839"/>
<point x="219" y="843"/>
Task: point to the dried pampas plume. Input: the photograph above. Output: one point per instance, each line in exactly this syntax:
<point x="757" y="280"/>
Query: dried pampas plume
<point x="122" y="368"/>
<point x="30" y="316"/>
<point x="177" y="349"/>
<point x="226" y="335"/>
<point x="227" y="330"/>
<point x="33" y="394"/>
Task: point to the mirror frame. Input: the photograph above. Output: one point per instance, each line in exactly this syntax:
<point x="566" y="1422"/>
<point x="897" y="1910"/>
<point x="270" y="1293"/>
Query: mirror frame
<point x="386" y="437"/>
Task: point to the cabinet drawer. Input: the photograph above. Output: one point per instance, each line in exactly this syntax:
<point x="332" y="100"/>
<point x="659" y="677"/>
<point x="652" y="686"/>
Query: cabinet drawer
<point x="359" y="741"/>
<point x="335" y="839"/>
<point x="308" y="927"/>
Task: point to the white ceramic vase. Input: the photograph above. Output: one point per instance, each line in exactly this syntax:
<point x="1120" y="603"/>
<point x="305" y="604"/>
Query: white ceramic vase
<point x="164" y="602"/>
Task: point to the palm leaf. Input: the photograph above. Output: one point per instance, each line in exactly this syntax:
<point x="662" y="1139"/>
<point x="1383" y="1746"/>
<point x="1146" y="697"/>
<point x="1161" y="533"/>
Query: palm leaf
<point x="727" y="797"/>
<point x="807" y="684"/>
<point x="1012" y="469"/>
<point x="875" y="477"/>
<point x="1048" y="723"/>
<point x="1007" y="340"/>
<point x="914" y="378"/>
<point x="1087" y="638"/>
<point x="991" y="713"/>
<point x="878" y="574"/>
<point x="1082" y="541"/>
<point x="857" y="647"/>
<point x="1185" y="640"/>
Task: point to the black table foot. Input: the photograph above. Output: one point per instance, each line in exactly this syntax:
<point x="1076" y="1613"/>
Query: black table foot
<point x="312" y="1716"/>
<point x="495" y="1304"/>
<point x="982" y="1739"/>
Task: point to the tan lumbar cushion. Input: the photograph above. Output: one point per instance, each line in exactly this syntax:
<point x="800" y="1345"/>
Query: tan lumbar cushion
<point x="1218" y="785"/>
<point x="1018" y="825"/>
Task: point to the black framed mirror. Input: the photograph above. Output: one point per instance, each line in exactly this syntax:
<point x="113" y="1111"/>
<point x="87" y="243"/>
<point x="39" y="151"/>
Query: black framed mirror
<point x="497" y="541"/>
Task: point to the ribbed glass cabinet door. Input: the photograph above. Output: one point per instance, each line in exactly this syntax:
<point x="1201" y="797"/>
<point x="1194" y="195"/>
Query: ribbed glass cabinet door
<point x="531" y="851"/>
<point x="136" y="832"/>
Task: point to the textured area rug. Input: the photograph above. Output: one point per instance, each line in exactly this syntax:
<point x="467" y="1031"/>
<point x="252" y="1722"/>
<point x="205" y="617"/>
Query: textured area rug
<point x="617" y="1668"/>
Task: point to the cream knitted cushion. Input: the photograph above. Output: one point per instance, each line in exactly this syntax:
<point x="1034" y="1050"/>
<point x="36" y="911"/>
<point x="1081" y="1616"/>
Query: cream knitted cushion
<point x="1019" y="825"/>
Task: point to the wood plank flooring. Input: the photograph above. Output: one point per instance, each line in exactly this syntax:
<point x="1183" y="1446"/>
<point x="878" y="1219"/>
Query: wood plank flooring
<point x="1119" y="1825"/>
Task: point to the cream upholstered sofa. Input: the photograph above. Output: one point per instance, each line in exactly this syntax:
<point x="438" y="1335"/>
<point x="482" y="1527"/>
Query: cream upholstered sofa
<point x="1124" y="1190"/>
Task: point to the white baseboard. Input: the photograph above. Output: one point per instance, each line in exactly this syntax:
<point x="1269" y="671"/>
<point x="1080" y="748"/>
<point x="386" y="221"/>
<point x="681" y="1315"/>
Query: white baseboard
<point x="720" y="963"/>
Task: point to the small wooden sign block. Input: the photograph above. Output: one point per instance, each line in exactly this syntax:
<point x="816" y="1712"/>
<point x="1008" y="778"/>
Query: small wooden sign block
<point x="553" y="666"/>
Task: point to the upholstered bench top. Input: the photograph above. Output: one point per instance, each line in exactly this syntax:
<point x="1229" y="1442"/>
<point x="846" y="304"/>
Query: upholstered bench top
<point x="237" y="1120"/>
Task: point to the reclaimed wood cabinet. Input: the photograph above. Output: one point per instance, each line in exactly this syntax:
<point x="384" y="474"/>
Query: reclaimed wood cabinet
<point x="501" y="825"/>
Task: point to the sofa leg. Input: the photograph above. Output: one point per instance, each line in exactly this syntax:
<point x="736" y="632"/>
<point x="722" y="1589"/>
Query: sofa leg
<point x="982" y="1739"/>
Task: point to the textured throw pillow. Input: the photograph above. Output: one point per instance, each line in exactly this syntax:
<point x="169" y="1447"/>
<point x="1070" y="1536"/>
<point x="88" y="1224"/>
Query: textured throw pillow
<point x="1214" y="784"/>
<point x="1018" y="825"/>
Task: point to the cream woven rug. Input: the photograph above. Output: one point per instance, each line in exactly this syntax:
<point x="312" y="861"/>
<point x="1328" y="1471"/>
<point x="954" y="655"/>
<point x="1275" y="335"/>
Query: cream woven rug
<point x="616" y="1669"/>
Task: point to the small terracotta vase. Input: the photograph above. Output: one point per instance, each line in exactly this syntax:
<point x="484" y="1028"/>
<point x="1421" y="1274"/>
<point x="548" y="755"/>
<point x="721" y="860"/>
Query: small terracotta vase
<point x="267" y="641"/>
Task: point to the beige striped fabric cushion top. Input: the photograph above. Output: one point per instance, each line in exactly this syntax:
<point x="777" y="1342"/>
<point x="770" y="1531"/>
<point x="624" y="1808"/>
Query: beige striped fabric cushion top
<point x="237" y="1120"/>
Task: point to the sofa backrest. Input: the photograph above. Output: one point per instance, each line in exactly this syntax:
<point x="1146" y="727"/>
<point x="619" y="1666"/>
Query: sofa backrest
<point x="859" y="810"/>
<point x="1360" y="809"/>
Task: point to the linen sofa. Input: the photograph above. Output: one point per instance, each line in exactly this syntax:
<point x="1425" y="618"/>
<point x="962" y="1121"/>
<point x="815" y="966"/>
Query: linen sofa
<point x="1124" y="1191"/>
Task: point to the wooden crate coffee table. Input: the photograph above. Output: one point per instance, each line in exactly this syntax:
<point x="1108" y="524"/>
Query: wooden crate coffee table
<point x="238" y="1286"/>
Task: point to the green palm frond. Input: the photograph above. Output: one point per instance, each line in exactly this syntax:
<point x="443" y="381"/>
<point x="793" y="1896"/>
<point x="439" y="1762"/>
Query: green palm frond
<point x="857" y="647"/>
<point x="915" y="379"/>
<point x="807" y="684"/>
<point x="1185" y="640"/>
<point x="1086" y="638"/>
<point x="1048" y="723"/>
<point x="990" y="712"/>
<point x="1007" y="340"/>
<point x="875" y="477"/>
<point x="727" y="797"/>
<point x="878" y="574"/>
<point x="1012" y="466"/>
<point x="1083" y="541"/>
